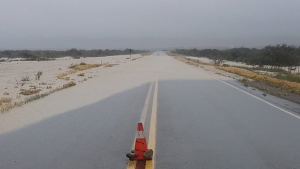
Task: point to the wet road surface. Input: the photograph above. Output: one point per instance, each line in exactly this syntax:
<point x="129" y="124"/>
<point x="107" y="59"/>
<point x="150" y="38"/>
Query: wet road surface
<point x="206" y="124"/>
<point x="94" y="136"/>
<point x="200" y="124"/>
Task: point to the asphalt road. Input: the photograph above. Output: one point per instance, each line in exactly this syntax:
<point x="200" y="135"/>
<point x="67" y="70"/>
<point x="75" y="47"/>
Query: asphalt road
<point x="200" y="124"/>
<point x="94" y="136"/>
<point x="207" y="124"/>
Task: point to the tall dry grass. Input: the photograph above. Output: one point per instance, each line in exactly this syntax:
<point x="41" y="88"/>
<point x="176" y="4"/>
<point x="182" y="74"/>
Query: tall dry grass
<point x="77" y="67"/>
<point x="63" y="75"/>
<point x="84" y="66"/>
<point x="5" y="104"/>
<point x="110" y="65"/>
<point x="194" y="61"/>
<point x="9" y="104"/>
<point x="5" y="100"/>
<point x="30" y="91"/>
<point x="70" y="84"/>
<point x="293" y="87"/>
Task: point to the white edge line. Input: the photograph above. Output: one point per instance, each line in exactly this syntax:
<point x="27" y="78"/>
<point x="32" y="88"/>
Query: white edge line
<point x="292" y="114"/>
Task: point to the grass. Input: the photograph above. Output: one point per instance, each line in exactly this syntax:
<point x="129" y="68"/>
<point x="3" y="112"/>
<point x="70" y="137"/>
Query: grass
<point x="6" y="104"/>
<point x="34" y="92"/>
<point x="30" y="91"/>
<point x="77" y="67"/>
<point x="63" y="75"/>
<point x="83" y="66"/>
<point x="110" y="65"/>
<point x="26" y="78"/>
<point x="70" y="84"/>
<point x="35" y="97"/>
<point x="38" y="96"/>
<point x="293" y="87"/>
<point x="5" y="100"/>
<point x="289" y="77"/>
<point x="263" y="69"/>
<point x="6" y="107"/>
<point x="9" y="105"/>
<point x="281" y="74"/>
<point x="197" y="61"/>
<point x="245" y="81"/>
<point x="72" y="66"/>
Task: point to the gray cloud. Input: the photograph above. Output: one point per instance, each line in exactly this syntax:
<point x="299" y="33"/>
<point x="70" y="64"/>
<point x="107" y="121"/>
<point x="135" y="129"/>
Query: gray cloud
<point x="44" y="24"/>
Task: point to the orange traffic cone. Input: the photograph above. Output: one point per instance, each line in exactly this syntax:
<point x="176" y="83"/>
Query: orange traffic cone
<point x="140" y="149"/>
<point x="140" y="143"/>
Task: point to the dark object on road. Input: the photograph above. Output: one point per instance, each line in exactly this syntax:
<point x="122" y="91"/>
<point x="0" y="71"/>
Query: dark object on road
<point x="131" y="155"/>
<point x="265" y="94"/>
<point x="148" y="154"/>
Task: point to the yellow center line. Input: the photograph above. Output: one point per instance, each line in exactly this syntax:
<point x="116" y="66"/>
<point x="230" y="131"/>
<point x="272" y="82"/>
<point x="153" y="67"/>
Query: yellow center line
<point x="150" y="164"/>
<point x="132" y="164"/>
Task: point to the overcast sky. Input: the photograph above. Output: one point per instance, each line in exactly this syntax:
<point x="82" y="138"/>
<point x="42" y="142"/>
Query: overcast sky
<point x="88" y="24"/>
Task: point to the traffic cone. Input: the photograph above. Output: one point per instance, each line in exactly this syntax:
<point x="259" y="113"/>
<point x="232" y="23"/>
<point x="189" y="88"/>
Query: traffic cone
<point x="140" y="149"/>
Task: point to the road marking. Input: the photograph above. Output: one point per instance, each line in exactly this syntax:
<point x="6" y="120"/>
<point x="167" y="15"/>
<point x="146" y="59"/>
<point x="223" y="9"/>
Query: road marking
<point x="152" y="133"/>
<point x="146" y="104"/>
<point x="298" y="117"/>
<point x="132" y="164"/>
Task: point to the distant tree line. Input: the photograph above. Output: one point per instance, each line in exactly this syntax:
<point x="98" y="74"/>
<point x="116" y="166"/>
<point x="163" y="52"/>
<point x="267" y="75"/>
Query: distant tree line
<point x="276" y="56"/>
<point x="75" y="53"/>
